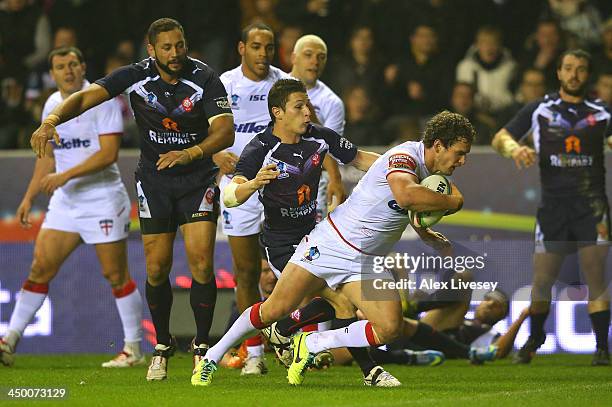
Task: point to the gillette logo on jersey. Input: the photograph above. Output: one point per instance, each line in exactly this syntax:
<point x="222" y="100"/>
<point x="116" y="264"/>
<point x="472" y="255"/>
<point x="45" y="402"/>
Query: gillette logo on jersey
<point x="67" y="144"/>
<point x="251" y="127"/>
<point x="402" y="161"/>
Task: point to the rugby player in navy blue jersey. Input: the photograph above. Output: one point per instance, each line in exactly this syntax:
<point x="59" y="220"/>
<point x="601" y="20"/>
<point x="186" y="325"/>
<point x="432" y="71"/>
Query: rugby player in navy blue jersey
<point x="569" y="131"/>
<point x="183" y="117"/>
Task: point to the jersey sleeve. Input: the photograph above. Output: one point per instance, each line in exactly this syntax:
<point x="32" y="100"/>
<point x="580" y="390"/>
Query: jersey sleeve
<point x="335" y="120"/>
<point x="119" y="80"/>
<point x="215" y="98"/>
<point x="401" y="162"/>
<point x="251" y="159"/>
<point x="340" y="148"/>
<point x="520" y="124"/>
<point x="108" y="117"/>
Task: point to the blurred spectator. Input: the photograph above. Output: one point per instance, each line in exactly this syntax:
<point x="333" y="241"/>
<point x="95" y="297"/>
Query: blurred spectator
<point x="580" y="19"/>
<point x="543" y="50"/>
<point x="403" y="128"/>
<point x="420" y="85"/>
<point x="324" y="18"/>
<point x="125" y="50"/>
<point x="361" y="124"/>
<point x="602" y="60"/>
<point x="260" y="11"/>
<point x="25" y="36"/>
<point x="286" y="41"/>
<point x="489" y="68"/>
<point x="462" y="102"/>
<point x="452" y="20"/>
<point x="531" y="88"/>
<point x="603" y="87"/>
<point x="360" y="66"/>
<point x="130" y="138"/>
<point x="39" y="79"/>
<point x="13" y="116"/>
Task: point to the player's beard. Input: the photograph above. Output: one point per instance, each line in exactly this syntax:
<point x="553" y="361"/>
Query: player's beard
<point x="166" y="67"/>
<point x="579" y="92"/>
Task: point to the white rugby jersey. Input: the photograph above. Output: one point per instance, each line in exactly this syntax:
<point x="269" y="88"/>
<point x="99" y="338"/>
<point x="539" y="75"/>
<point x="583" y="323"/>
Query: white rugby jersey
<point x="249" y="102"/>
<point x="79" y="140"/>
<point x="370" y="220"/>
<point x="328" y="107"/>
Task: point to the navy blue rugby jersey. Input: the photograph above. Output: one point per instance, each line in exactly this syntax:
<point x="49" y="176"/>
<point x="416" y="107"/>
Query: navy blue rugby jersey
<point x="569" y="139"/>
<point x="290" y="201"/>
<point x="170" y="116"/>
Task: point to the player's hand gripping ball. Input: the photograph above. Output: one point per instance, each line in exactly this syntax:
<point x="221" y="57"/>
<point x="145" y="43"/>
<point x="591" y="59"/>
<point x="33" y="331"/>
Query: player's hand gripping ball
<point x="425" y="219"/>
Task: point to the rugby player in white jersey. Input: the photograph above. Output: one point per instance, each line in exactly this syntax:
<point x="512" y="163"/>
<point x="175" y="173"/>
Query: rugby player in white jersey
<point x="247" y="87"/>
<point x="309" y="58"/>
<point x="340" y="252"/>
<point x="89" y="204"/>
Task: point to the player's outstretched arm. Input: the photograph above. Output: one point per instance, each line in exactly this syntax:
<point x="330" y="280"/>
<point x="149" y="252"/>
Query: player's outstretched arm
<point x="71" y="107"/>
<point x="220" y="136"/>
<point x="506" y="341"/>
<point x="415" y="197"/>
<point x="364" y="160"/>
<point x="43" y="167"/>
<point x="240" y="189"/>
<point x="108" y="153"/>
<point x="506" y="146"/>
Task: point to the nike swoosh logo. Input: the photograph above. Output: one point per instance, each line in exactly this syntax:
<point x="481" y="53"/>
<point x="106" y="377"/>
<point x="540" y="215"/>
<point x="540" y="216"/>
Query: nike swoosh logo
<point x="298" y="359"/>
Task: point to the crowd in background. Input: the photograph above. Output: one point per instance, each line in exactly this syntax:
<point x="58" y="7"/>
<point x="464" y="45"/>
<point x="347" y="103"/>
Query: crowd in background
<point x="395" y="63"/>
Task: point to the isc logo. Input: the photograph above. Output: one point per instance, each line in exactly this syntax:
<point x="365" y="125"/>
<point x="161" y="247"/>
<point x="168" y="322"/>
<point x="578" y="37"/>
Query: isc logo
<point x="393" y="205"/>
<point x="256" y="98"/>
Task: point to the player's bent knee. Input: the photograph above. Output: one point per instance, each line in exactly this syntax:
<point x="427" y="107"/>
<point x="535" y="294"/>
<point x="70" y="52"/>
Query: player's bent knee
<point x="388" y="331"/>
<point x="157" y="273"/>
<point x="42" y="271"/>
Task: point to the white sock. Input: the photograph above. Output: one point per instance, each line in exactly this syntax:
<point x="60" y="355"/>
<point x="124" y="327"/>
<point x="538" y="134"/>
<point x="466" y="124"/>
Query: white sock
<point x="26" y="307"/>
<point x="133" y="348"/>
<point x="255" y="351"/>
<point x="130" y="312"/>
<point x="353" y="336"/>
<point x="239" y="331"/>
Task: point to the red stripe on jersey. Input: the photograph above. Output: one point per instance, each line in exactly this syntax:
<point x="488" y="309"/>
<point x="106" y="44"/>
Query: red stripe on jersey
<point x="36" y="287"/>
<point x="331" y="222"/>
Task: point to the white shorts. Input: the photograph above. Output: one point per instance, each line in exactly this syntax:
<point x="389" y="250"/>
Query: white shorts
<point x="99" y="219"/>
<point x="324" y="254"/>
<point x="243" y="220"/>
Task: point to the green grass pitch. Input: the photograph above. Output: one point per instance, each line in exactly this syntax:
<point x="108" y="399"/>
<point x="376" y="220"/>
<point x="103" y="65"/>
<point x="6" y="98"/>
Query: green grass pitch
<point x="551" y="380"/>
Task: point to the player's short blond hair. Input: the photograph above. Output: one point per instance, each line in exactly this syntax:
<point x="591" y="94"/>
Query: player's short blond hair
<point x="307" y="39"/>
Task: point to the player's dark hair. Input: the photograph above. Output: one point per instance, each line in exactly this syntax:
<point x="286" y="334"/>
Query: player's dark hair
<point x="578" y="53"/>
<point x="280" y="91"/>
<point x="244" y="35"/>
<point x="449" y="128"/>
<point x="163" y="25"/>
<point x="63" y="51"/>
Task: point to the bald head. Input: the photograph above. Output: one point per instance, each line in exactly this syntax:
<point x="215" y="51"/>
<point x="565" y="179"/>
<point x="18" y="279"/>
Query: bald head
<point x="309" y="58"/>
<point x="309" y="39"/>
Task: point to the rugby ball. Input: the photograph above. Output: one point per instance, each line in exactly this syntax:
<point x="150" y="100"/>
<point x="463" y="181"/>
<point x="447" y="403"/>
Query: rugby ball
<point x="426" y="219"/>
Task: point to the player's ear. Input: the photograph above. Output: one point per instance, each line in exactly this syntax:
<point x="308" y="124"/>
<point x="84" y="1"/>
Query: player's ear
<point x="293" y="58"/>
<point x="241" y="48"/>
<point x="437" y="145"/>
<point x="277" y="112"/>
<point x="151" y="50"/>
